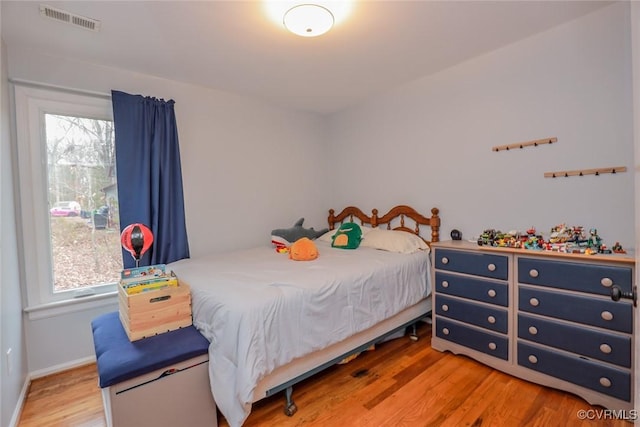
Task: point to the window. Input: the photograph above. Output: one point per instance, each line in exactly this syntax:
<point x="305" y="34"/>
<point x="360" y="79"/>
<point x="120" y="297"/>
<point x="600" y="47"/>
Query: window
<point x="68" y="197"/>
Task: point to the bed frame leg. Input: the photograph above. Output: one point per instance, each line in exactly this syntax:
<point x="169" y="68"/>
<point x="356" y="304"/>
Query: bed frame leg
<point x="414" y="334"/>
<point x="290" y="407"/>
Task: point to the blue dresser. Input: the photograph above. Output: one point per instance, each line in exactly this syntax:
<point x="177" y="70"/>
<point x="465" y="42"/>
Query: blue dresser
<point x="568" y="326"/>
<point x="544" y="317"/>
<point x="471" y="302"/>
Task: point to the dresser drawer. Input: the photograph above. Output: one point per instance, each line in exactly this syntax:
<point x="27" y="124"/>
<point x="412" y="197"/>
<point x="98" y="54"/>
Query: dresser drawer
<point x="583" y="277"/>
<point x="478" y="264"/>
<point x="469" y="312"/>
<point x="470" y="287"/>
<point x="585" y="373"/>
<point x="591" y="343"/>
<point x="600" y="312"/>
<point x="485" y="342"/>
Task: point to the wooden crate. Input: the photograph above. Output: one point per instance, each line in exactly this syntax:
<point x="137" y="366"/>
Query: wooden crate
<point x="154" y="312"/>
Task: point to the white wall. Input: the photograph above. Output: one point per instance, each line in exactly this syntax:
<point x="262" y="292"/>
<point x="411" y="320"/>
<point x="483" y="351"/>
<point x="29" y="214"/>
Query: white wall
<point x="247" y="168"/>
<point x="429" y="143"/>
<point x="63" y="340"/>
<point x="13" y="377"/>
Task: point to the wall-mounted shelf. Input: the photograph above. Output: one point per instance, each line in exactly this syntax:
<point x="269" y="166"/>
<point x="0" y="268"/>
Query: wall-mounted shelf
<point x="534" y="143"/>
<point x="582" y="172"/>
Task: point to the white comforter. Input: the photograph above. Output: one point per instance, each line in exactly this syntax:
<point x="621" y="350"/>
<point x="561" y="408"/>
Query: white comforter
<point x="260" y="310"/>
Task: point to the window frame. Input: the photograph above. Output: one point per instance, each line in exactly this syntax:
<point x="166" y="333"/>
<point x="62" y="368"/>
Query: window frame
<point x="31" y="104"/>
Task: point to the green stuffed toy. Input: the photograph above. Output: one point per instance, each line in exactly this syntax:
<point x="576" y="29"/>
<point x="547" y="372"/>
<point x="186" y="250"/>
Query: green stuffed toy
<point x="348" y="236"/>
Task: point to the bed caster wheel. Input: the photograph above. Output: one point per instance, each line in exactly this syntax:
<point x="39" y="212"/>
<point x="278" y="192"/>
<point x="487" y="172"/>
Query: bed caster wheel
<point x="289" y="410"/>
<point x="413" y="336"/>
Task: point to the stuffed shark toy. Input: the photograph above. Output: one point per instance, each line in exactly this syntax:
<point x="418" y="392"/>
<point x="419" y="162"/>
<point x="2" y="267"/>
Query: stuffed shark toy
<point x="285" y="237"/>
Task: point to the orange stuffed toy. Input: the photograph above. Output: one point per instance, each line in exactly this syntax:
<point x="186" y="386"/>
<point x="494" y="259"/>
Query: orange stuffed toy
<point x="303" y="250"/>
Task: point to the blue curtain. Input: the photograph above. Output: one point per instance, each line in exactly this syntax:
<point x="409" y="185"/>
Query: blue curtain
<point x="149" y="175"/>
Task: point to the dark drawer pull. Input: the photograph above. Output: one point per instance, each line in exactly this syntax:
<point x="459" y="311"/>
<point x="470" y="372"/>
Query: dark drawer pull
<point x="617" y="293"/>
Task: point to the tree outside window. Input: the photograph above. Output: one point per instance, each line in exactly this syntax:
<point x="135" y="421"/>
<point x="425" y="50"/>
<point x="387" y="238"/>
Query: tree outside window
<point x="83" y="207"/>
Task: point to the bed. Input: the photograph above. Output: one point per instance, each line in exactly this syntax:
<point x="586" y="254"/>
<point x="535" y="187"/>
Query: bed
<point x="272" y="322"/>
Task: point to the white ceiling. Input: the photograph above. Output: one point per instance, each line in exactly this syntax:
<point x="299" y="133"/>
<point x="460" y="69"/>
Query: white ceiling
<point x="233" y="46"/>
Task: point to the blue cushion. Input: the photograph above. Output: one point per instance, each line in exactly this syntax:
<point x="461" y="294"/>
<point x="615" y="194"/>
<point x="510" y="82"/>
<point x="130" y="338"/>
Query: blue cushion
<point x="119" y="359"/>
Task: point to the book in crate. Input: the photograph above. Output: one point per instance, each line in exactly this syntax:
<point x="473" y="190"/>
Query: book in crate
<point x="150" y="284"/>
<point x="142" y="279"/>
<point x="151" y="304"/>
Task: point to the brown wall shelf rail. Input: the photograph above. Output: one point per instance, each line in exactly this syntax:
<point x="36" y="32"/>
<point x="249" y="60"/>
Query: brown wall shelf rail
<point x="582" y="172"/>
<point x="534" y="143"/>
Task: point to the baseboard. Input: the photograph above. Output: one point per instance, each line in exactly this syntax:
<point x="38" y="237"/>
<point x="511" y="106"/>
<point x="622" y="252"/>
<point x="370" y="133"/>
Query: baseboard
<point x="15" y="418"/>
<point x="62" y="367"/>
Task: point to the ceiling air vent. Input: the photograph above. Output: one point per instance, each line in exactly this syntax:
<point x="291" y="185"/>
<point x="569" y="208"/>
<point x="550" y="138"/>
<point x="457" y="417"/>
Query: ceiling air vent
<point x="69" y="18"/>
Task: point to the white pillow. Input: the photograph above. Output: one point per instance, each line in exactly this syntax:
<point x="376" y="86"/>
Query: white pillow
<point x="398" y="241"/>
<point x="328" y="236"/>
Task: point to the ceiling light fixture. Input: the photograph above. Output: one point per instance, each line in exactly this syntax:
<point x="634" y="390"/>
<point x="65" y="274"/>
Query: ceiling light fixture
<point x="308" y="20"/>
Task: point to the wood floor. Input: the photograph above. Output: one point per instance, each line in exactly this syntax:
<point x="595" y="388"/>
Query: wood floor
<point x="400" y="383"/>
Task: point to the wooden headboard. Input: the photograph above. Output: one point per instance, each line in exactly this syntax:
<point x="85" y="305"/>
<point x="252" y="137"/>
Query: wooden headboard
<point x="399" y="213"/>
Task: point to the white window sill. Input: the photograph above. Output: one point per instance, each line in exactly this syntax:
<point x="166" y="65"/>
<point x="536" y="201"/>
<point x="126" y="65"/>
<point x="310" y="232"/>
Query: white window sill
<point x="58" y="308"/>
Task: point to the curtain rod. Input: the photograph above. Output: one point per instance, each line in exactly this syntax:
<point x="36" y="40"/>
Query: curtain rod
<point x="59" y="88"/>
